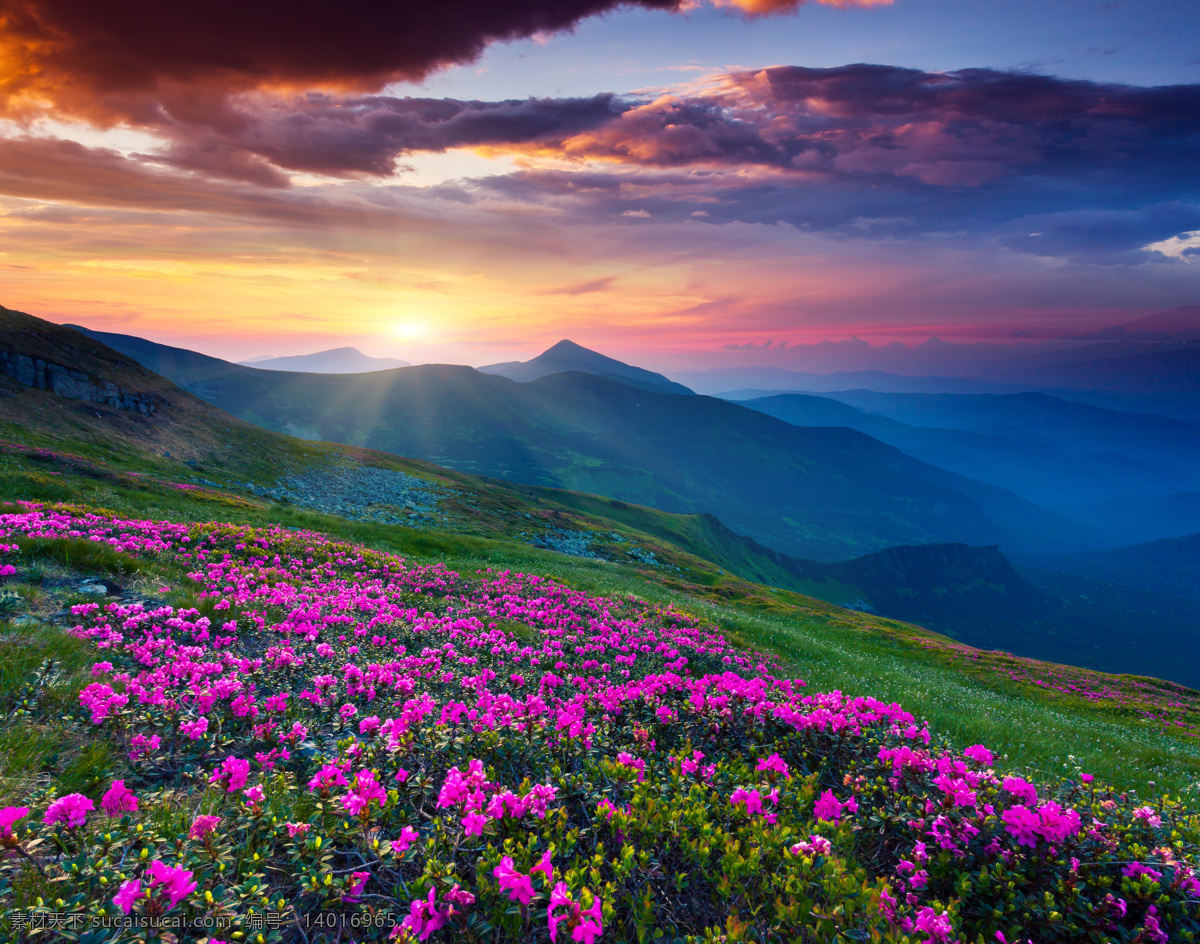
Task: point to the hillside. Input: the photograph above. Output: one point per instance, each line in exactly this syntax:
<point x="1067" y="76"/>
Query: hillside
<point x="614" y="764"/>
<point x="819" y="493"/>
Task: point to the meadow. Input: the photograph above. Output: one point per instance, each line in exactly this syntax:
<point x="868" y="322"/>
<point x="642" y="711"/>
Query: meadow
<point x="277" y="735"/>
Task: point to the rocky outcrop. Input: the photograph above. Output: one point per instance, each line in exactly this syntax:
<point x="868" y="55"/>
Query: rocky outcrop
<point x="73" y="384"/>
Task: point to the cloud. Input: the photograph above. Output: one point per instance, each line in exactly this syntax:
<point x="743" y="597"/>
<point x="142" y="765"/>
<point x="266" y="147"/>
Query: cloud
<point x="955" y="129"/>
<point x="583" y="288"/>
<point x="135" y="57"/>
<point x="364" y="135"/>
<point x="992" y="160"/>
<point x="752" y="346"/>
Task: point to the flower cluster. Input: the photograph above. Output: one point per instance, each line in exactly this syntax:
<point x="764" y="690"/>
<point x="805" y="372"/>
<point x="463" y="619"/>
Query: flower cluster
<point x="497" y="756"/>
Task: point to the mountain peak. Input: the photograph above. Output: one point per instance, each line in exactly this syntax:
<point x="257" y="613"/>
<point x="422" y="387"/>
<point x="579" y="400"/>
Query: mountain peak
<point x="566" y="345"/>
<point x="566" y="355"/>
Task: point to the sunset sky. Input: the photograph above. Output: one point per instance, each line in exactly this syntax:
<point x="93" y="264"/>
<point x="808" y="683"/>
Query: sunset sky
<point x="672" y="183"/>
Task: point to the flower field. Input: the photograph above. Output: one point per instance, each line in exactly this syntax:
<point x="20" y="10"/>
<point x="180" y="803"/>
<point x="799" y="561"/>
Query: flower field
<point x="331" y="744"/>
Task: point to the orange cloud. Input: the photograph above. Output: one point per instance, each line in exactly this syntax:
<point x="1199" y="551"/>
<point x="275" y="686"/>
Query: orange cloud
<point x="769" y="7"/>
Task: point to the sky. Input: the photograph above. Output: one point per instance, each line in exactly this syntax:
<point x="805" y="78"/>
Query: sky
<point x="681" y="183"/>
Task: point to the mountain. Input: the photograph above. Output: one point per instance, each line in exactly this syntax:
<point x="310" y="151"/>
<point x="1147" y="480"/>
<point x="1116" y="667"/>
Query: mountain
<point x="1165" y="380"/>
<point x="1177" y="324"/>
<point x="568" y="356"/>
<point x="931" y="584"/>
<point x="927" y="582"/>
<point x="88" y="434"/>
<point x="1018" y="442"/>
<point x="738" y="383"/>
<point x="1169" y="566"/>
<point x="109" y="399"/>
<point x="821" y="493"/>
<point x="1042" y="418"/>
<point x="339" y="360"/>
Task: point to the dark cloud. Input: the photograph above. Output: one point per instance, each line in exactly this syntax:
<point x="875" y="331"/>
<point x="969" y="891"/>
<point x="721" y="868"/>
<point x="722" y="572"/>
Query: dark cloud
<point x="128" y="58"/>
<point x="144" y="45"/>
<point x="364" y="135"/>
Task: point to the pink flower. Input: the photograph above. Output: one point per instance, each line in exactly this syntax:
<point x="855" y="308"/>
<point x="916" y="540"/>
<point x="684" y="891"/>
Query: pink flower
<point x="366" y="789"/>
<point x="980" y="754"/>
<point x="937" y="926"/>
<point x="829" y="807"/>
<point x="177" y="883"/>
<point x="750" y="797"/>
<point x="1148" y="815"/>
<point x="9" y="815"/>
<point x="1051" y="822"/>
<point x="518" y="886"/>
<point x="407" y="836"/>
<point x="118" y="800"/>
<point x="1087" y="778"/>
<point x="128" y="894"/>
<point x="202" y="826"/>
<point x="254" y="795"/>
<point x="775" y="763"/>
<point x="1023" y="823"/>
<point x="297" y="829"/>
<point x="358" y="881"/>
<point x="330" y="775"/>
<point x="369" y="725"/>
<point x="1022" y="789"/>
<point x="233" y="773"/>
<point x="585" y="925"/>
<point x="194" y="730"/>
<point x="423" y="917"/>
<point x="816" y="845"/>
<point x="545" y="866"/>
<point x="71" y="809"/>
<point x="473" y="824"/>
<point x="1134" y="869"/>
<point x="401" y="775"/>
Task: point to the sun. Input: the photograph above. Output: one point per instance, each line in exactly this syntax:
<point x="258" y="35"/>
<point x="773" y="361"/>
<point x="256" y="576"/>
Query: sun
<point x="408" y="329"/>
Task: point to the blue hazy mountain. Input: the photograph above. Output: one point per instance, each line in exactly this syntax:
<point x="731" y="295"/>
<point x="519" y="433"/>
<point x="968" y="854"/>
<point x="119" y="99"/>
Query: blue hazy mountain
<point x="340" y="360"/>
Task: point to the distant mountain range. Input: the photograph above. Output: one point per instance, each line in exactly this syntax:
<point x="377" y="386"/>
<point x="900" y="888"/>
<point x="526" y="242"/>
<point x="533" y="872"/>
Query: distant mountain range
<point x="339" y="360"/>
<point x="566" y="356"/>
<point x="972" y="593"/>
<point x="1177" y="324"/>
<point x="826" y="494"/>
<point x="1050" y="451"/>
<point x="743" y="383"/>
<point x="1170" y="566"/>
<point x="1151" y="365"/>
